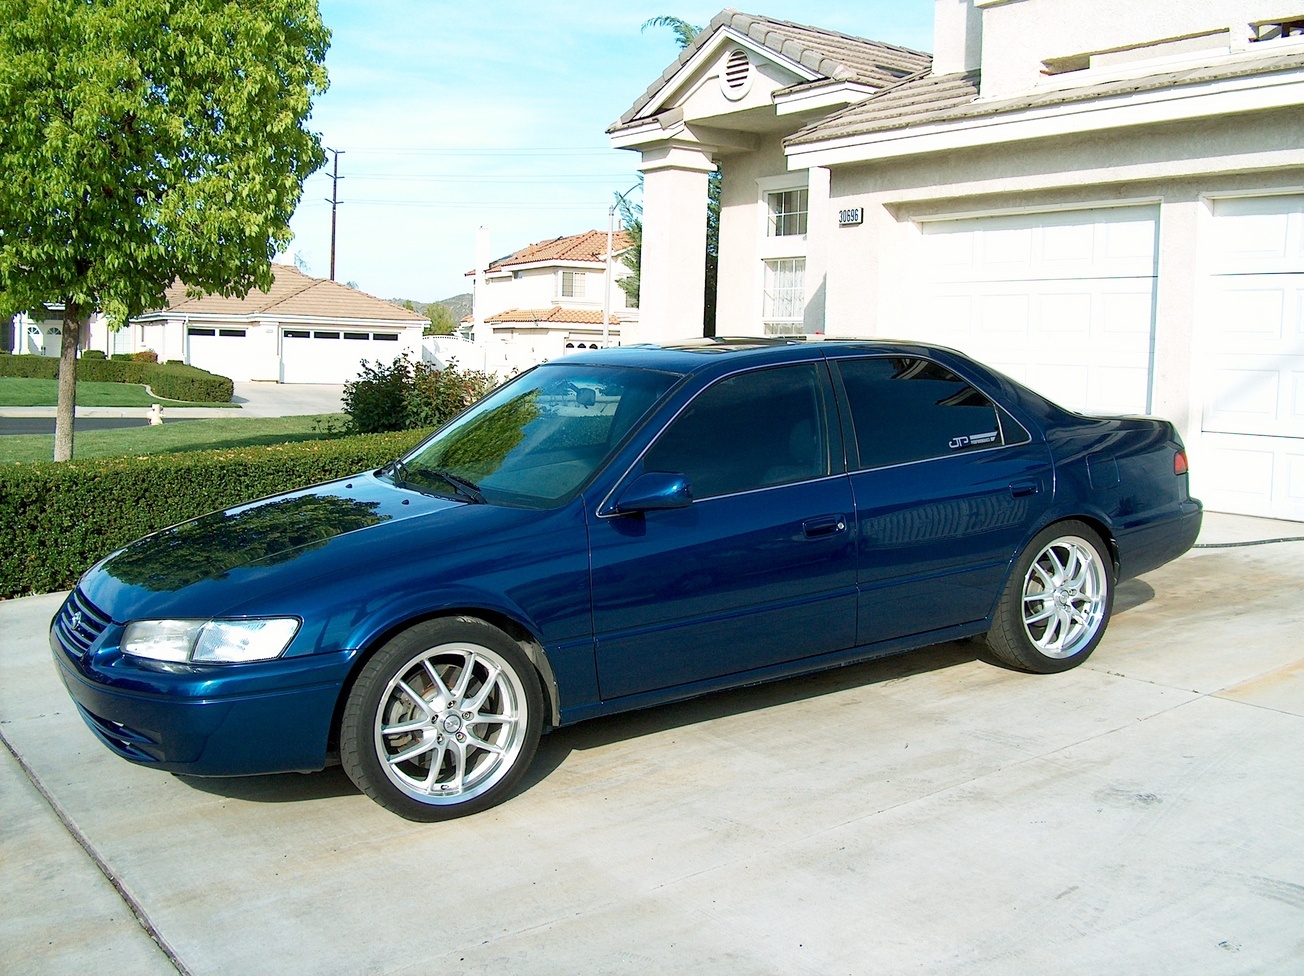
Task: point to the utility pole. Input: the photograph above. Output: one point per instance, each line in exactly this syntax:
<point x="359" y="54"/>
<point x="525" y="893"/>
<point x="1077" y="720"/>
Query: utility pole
<point x="334" y="201"/>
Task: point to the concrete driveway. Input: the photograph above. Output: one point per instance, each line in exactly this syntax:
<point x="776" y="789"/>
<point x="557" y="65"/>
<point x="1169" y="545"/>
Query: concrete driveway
<point x="931" y="814"/>
<point x="252" y="399"/>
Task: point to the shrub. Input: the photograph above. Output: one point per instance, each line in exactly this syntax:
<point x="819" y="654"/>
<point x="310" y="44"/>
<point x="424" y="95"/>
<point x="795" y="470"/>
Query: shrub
<point x="93" y="354"/>
<point x="404" y="395"/>
<point x="375" y="401"/>
<point x="172" y="382"/>
<point x="145" y="356"/>
<point x="58" y="519"/>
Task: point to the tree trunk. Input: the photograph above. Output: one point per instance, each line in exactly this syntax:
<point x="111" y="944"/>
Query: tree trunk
<point x="67" y="382"/>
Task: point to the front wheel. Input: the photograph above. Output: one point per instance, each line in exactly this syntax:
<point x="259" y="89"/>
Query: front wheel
<point x="1057" y="602"/>
<point x="443" y="721"/>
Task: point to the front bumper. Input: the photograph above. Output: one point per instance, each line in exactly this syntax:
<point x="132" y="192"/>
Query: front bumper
<point x="235" y="720"/>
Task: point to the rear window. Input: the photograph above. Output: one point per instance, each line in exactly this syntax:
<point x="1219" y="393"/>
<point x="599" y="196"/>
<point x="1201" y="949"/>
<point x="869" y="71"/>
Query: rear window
<point x="906" y="409"/>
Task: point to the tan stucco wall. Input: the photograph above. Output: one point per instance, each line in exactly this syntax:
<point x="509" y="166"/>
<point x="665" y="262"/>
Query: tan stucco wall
<point x="1018" y="35"/>
<point x="742" y="229"/>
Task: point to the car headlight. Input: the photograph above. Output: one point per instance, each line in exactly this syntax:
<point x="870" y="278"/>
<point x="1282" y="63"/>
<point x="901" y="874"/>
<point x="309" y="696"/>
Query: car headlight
<point x="209" y="641"/>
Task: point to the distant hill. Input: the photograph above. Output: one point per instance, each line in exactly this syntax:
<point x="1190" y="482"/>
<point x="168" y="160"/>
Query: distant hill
<point x="459" y="305"/>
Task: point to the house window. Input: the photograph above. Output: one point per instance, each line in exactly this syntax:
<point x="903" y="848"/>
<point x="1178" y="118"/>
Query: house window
<point x="784" y="301"/>
<point x="788" y="209"/>
<point x="572" y="284"/>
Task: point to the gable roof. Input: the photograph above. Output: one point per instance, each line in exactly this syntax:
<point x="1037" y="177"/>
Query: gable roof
<point x="831" y="55"/>
<point x="556" y="314"/>
<point x="589" y="247"/>
<point x="928" y="98"/>
<point x="293" y="294"/>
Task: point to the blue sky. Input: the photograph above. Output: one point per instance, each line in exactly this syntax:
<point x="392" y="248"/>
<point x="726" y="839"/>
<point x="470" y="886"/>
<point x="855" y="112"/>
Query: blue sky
<point x="456" y="115"/>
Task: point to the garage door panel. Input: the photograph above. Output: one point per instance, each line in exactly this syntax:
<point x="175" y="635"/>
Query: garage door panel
<point x="1064" y="313"/>
<point x="1258" y="235"/>
<point x="1252" y="342"/>
<point x="1118" y="389"/>
<point x="1116" y="243"/>
<point x="224" y="354"/>
<point x="331" y="355"/>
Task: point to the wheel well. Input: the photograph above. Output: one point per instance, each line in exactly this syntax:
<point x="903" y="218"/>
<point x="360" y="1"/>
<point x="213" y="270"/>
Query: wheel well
<point x="512" y="628"/>
<point x="1102" y="530"/>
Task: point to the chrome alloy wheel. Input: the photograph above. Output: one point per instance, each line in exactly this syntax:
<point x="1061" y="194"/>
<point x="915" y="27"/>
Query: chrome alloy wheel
<point x="1065" y="593"/>
<point x="450" y="723"/>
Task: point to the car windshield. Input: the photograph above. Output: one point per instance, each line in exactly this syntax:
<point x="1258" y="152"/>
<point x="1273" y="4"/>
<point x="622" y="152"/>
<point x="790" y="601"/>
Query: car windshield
<point x="537" y="439"/>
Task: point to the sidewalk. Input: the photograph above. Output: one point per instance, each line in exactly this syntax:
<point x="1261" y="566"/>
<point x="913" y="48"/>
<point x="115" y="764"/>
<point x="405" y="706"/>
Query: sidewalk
<point x="252" y="399"/>
<point x="928" y="814"/>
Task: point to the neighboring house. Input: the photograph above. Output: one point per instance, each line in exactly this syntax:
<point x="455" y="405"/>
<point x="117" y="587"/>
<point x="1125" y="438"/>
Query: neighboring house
<point x="302" y="330"/>
<point x="39" y="335"/>
<point x="546" y="299"/>
<point x="1105" y="200"/>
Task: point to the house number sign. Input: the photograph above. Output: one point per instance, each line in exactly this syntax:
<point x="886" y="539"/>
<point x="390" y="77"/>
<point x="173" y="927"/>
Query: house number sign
<point x="850" y="216"/>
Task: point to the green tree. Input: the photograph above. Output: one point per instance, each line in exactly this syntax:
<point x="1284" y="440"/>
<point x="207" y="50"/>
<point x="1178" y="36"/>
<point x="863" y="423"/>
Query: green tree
<point x="145" y="141"/>
<point x="685" y="34"/>
<point x="442" y="320"/>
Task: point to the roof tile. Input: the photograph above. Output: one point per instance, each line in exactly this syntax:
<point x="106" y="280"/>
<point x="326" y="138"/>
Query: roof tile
<point x="589" y="247"/>
<point x="292" y="293"/>
<point x="556" y="314"/>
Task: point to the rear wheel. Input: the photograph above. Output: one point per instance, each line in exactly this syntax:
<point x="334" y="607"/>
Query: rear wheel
<point x="1057" y="602"/>
<point x="443" y="721"/>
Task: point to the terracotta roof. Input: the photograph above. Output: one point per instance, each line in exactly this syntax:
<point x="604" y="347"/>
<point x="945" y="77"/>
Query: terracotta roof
<point x="834" y="56"/>
<point x="929" y="99"/>
<point x="556" y="314"/>
<point x="293" y="293"/>
<point x="589" y="246"/>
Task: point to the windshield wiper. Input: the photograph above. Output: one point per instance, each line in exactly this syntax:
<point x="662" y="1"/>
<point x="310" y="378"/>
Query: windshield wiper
<point x="398" y="470"/>
<point x="462" y="486"/>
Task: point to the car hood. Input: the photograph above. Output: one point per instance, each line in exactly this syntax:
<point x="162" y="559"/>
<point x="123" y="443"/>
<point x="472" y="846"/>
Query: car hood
<point x="220" y="560"/>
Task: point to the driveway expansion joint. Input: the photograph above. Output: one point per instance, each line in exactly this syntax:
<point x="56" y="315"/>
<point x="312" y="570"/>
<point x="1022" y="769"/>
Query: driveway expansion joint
<point x="137" y="910"/>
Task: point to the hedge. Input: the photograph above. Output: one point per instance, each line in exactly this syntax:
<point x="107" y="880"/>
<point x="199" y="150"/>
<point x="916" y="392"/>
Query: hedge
<point x="172" y="381"/>
<point x="57" y="519"/>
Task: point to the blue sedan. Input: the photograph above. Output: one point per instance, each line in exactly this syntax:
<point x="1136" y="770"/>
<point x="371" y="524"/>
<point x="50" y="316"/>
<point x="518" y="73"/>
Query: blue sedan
<point x="610" y="531"/>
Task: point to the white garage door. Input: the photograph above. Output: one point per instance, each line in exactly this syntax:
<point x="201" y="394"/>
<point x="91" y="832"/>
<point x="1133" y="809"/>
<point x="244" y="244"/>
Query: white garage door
<point x="1252" y="350"/>
<point x="332" y="355"/>
<point x="1063" y="302"/>
<point x="221" y="351"/>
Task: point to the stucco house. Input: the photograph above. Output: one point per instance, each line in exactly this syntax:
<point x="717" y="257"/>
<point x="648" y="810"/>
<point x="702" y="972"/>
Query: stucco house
<point x="547" y="298"/>
<point x="301" y="330"/>
<point x="1105" y="200"/>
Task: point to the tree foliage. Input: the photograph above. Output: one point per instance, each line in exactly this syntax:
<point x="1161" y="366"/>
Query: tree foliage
<point x="142" y="141"/>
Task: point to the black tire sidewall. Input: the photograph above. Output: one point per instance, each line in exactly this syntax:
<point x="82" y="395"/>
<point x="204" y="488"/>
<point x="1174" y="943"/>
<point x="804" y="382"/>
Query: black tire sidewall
<point x="357" y="746"/>
<point x="1011" y="616"/>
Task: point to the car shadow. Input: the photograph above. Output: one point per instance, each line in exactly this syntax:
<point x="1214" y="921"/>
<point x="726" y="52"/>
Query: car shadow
<point x="555" y="747"/>
<point x="1131" y="594"/>
<point x="276" y="787"/>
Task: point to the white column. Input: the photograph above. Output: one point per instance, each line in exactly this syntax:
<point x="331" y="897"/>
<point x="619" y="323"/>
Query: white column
<point x="673" y="263"/>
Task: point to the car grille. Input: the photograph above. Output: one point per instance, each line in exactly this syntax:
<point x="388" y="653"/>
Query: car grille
<point x="79" y="623"/>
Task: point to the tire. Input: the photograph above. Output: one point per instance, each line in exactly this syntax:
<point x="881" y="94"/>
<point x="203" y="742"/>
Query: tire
<point x="1057" y="601"/>
<point x="443" y="721"/>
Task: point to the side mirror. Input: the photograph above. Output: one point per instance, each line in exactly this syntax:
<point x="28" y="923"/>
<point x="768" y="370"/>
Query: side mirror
<point x="655" y="491"/>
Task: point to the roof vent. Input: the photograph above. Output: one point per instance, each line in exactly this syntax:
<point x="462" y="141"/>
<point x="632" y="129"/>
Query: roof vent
<point x="736" y="80"/>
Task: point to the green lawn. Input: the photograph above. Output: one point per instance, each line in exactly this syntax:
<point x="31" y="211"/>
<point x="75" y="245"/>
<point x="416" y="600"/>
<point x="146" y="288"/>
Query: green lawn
<point x="16" y="391"/>
<point x="193" y="435"/>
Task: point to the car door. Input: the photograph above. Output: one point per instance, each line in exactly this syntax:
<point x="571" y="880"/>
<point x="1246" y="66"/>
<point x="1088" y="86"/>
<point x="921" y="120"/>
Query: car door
<point x="947" y="487"/>
<point x="760" y="569"/>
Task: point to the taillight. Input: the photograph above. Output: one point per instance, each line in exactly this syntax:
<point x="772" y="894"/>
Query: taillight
<point x="1179" y="463"/>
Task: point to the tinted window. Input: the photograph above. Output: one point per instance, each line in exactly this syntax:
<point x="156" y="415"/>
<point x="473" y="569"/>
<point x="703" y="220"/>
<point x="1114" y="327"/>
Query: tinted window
<point x="750" y="431"/>
<point x="906" y="409"/>
<point x="538" y="438"/>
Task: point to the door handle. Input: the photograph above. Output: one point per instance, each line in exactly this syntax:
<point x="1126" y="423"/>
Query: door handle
<point x="825" y="525"/>
<point x="1021" y="489"/>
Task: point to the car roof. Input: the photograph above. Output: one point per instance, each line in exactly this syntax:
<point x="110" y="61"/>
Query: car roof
<point x="708" y="354"/>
